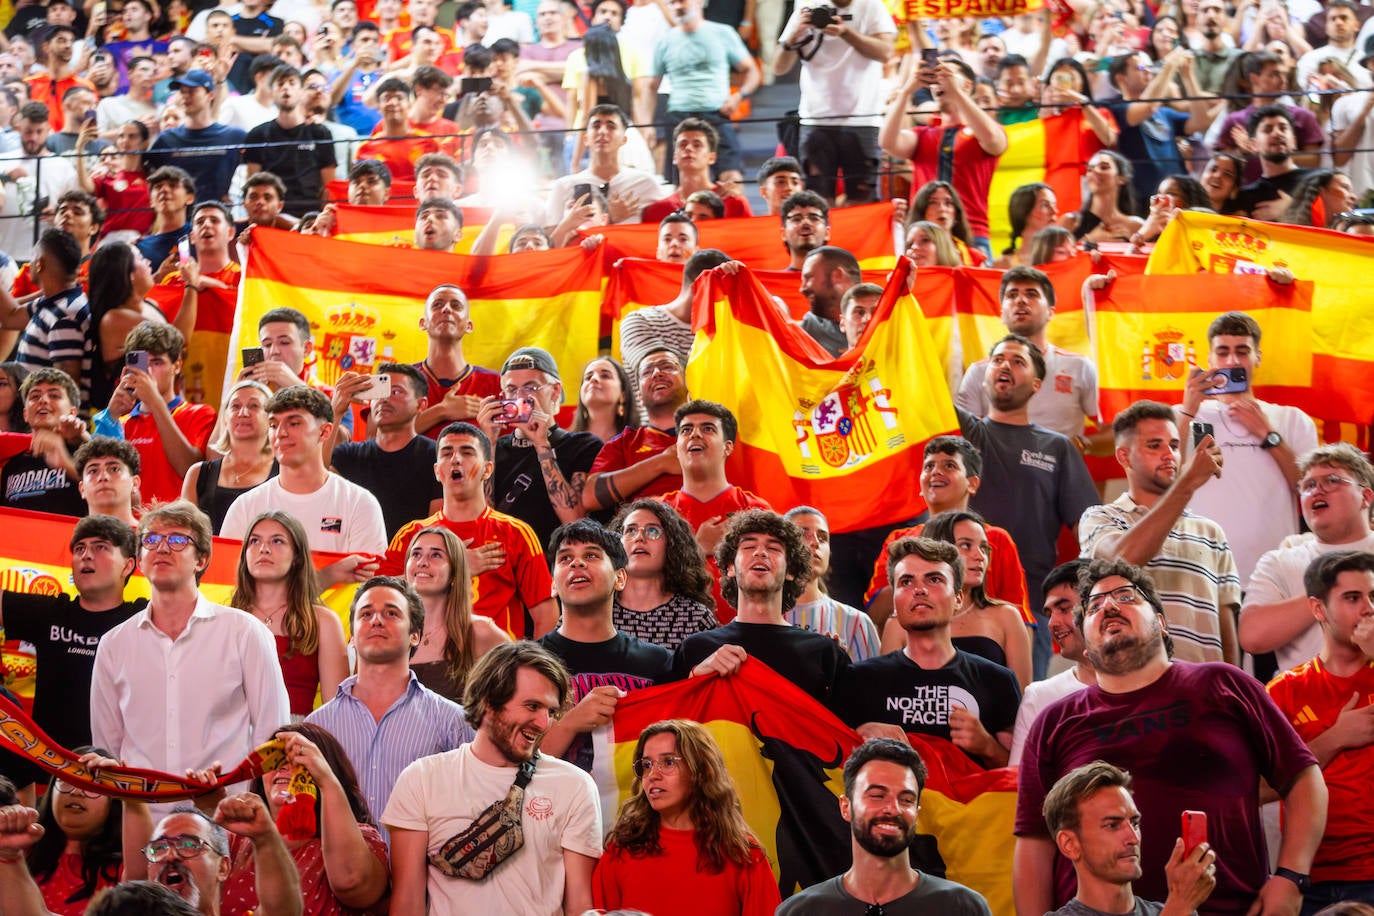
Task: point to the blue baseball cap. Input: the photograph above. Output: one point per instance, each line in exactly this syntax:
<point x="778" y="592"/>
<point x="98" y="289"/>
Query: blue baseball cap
<point x="194" y="78"/>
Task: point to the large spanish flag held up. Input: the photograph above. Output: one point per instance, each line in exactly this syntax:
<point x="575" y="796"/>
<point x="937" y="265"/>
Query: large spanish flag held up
<point x="1054" y="150"/>
<point x="786" y="754"/>
<point x="207" y="352"/>
<point x="365" y="302"/>
<point x="1339" y="265"/>
<point x="813" y="430"/>
<point x="393" y="224"/>
<point x="865" y="231"/>
<point x="1152" y="332"/>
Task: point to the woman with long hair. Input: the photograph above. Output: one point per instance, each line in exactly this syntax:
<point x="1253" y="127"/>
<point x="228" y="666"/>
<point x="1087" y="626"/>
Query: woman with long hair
<point x="1319" y="197"/>
<point x="1051" y="245"/>
<point x="1109" y="207"/>
<point x="1031" y="208"/>
<point x="453" y="638"/>
<point x="680" y="844"/>
<point x="12" y="375"/>
<point x="81" y="850"/>
<point x="667" y="593"/>
<point x="1174" y="193"/>
<point x="343" y="867"/>
<point x="604" y="82"/>
<point x="276" y="584"/>
<point x="1067" y="86"/>
<point x="1221" y="179"/>
<point x="122" y="190"/>
<point x="244" y="454"/>
<point x="937" y="202"/>
<point x="120" y="280"/>
<point x="606" y="401"/>
<point x="929" y="245"/>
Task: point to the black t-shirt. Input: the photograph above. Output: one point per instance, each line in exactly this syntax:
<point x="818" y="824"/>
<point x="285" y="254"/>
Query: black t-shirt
<point x="260" y="26"/>
<point x="309" y="148"/>
<point x="518" y="485"/>
<point x="622" y="661"/>
<point x="893" y="689"/>
<point x="813" y="662"/>
<point x="1265" y="189"/>
<point x="403" y="481"/>
<point x="28" y="483"/>
<point x="65" y="638"/>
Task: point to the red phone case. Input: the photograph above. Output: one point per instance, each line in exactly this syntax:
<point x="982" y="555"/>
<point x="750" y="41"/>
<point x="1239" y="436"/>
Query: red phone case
<point x="1194" y="830"/>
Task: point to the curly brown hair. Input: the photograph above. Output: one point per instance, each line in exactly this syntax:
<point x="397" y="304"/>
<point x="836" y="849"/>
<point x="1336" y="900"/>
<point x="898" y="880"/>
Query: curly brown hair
<point x="718" y="824"/>
<point x="684" y="569"/>
<point x="762" y="521"/>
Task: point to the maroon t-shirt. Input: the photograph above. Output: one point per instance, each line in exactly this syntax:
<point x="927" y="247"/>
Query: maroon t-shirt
<point x="1199" y="738"/>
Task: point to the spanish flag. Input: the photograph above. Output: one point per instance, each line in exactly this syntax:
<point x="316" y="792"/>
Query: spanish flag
<point x="1151" y="329"/>
<point x="786" y="754"/>
<point x="865" y="231"/>
<point x="207" y="352"/>
<point x="1342" y="324"/>
<point x="365" y="302"/>
<point x="393" y="224"/>
<point x="1054" y="150"/>
<point x="815" y="430"/>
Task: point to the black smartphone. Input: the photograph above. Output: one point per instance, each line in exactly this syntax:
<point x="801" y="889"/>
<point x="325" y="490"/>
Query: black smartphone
<point x="1199" y="431"/>
<point x="580" y="190"/>
<point x="474" y="84"/>
<point x="252" y="356"/>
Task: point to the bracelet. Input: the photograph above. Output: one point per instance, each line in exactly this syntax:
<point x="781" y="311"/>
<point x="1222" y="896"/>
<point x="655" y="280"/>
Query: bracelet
<point x="1190" y="416"/>
<point x="11" y="856"/>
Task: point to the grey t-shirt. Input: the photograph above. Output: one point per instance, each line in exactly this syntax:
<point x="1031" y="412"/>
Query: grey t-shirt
<point x="1141" y="908"/>
<point x="931" y="895"/>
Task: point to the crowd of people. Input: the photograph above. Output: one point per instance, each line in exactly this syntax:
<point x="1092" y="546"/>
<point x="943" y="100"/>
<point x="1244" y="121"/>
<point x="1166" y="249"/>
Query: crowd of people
<point x="524" y="552"/>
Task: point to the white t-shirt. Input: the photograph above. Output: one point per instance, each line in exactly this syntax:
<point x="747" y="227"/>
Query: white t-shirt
<point x="243" y="111"/>
<point x="1278" y="577"/>
<point x="634" y="184"/>
<point x="1037" y="697"/>
<point x="117" y="110"/>
<point x="340" y="516"/>
<point x="839" y="86"/>
<point x="441" y="795"/>
<point x="511" y="24"/>
<point x="1066" y="397"/>
<point x="1252" y="501"/>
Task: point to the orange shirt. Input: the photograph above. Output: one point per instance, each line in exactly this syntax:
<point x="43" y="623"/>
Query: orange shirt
<point x="49" y="91"/>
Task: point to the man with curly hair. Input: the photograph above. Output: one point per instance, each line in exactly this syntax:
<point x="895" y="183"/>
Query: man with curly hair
<point x="765" y="564"/>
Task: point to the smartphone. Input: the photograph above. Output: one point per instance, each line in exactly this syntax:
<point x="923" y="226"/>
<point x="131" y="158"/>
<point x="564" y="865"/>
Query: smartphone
<point x="580" y="190"/>
<point x="474" y="84"/>
<point x="252" y="356"/>
<point x="1194" y="826"/>
<point x="137" y="358"/>
<point x="515" y="410"/>
<point x="1200" y="430"/>
<point x="378" y="387"/>
<point x="89" y="116"/>
<point x="930" y="58"/>
<point x="184" y="251"/>
<point x="1062" y="79"/>
<point x="1230" y="380"/>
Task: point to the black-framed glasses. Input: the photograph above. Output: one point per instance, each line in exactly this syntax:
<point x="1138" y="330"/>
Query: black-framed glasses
<point x="648" y="532"/>
<point x="1122" y="595"/>
<point x="183" y="846"/>
<point x="175" y="542"/>
<point x="666" y="764"/>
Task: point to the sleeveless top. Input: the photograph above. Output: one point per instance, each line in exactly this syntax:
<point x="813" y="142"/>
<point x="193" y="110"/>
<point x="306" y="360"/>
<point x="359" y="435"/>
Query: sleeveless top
<point x="985" y="646"/>
<point x="215" y="500"/>
<point x="302" y="676"/>
<point x="435" y="676"/>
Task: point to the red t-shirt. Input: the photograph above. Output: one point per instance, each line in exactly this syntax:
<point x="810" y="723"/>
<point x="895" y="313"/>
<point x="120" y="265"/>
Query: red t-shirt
<point x="399" y="153"/>
<point x="632" y="446"/>
<point x="729" y="501"/>
<point x="657" y="883"/>
<point x="1311" y="697"/>
<point x="972" y="175"/>
<point x="1005" y="581"/>
<point x="66" y="880"/>
<point x="475" y="380"/>
<point x="654" y="213"/>
<point x="124" y="195"/>
<point x="503" y="593"/>
<point x="159" y="479"/>
<point x="399" y="41"/>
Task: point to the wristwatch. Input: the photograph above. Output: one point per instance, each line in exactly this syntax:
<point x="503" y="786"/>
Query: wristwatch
<point x="1273" y="440"/>
<point x="1302" y="881"/>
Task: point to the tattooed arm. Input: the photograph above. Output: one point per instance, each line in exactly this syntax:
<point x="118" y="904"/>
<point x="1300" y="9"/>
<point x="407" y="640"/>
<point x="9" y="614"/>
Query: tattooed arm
<point x="564" y="495"/>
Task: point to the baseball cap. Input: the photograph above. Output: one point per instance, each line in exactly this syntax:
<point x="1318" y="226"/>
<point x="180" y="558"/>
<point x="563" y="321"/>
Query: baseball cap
<point x="194" y="78"/>
<point x="531" y="358"/>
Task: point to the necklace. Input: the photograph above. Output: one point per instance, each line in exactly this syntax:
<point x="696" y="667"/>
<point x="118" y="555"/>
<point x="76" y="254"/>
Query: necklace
<point x="270" y="617"/>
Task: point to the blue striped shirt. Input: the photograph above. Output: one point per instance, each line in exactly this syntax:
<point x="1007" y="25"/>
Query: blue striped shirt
<point x="418" y="724"/>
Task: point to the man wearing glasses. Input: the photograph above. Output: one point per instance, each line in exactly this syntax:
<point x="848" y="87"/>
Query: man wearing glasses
<point x="1150" y="526"/>
<point x="184" y="683"/>
<point x="1194" y="736"/>
<point x="540" y="468"/>
<point x="805" y="226"/>
<point x="1336" y="490"/>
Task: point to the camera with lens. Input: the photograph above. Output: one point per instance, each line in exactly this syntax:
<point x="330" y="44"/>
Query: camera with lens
<point x="825" y="14"/>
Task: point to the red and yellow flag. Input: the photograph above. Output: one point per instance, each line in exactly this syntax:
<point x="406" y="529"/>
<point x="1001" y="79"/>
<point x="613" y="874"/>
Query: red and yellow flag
<point x="365" y="302"/>
<point x="1342" y="324"/>
<point x="958" y="9"/>
<point x="207" y="352"/>
<point x="864" y="231"/>
<point x="815" y="430"/>
<point x="393" y="225"/>
<point x="1152" y="327"/>
<point x="1054" y="150"/>
<point x="786" y="754"/>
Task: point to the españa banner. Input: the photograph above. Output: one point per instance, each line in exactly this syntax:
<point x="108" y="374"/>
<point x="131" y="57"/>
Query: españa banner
<point x="978" y="9"/>
<point x="865" y="231"/>
<point x="1342" y="335"/>
<point x="786" y="754"/>
<point x="815" y="430"/>
<point x="365" y="302"/>
<point x="1152" y="327"/>
<point x="35" y="559"/>
<point x="1054" y="150"/>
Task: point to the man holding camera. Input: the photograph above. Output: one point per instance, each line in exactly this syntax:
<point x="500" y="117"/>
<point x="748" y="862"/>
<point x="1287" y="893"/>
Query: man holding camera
<point x="842" y="49"/>
<point x="1259" y="441"/>
<point x="540" y="468"/>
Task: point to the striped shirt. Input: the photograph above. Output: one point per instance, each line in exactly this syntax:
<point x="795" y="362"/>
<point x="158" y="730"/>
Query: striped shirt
<point x="57" y="332"/>
<point x="417" y="725"/>
<point x="853" y="628"/>
<point x="1194" y="573"/>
